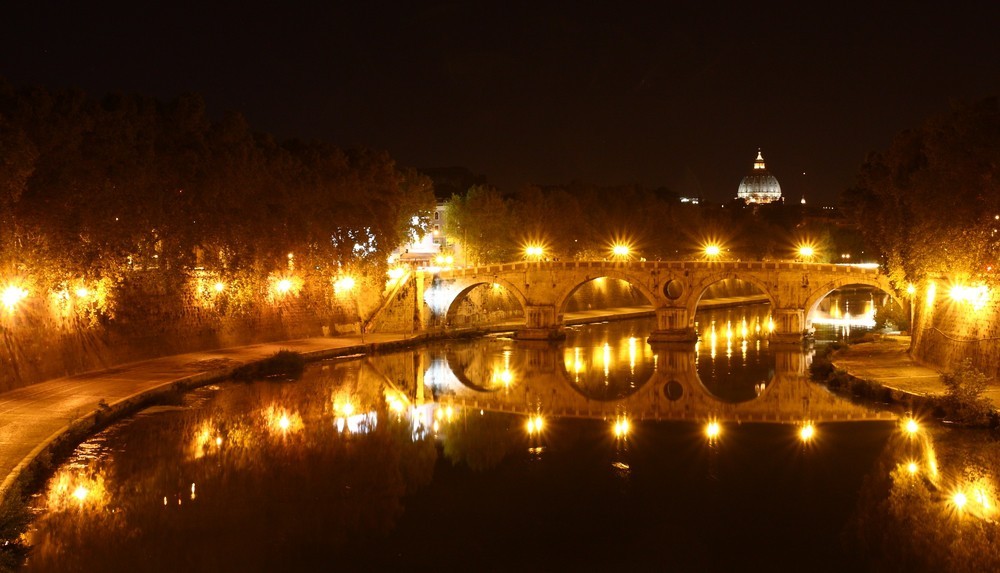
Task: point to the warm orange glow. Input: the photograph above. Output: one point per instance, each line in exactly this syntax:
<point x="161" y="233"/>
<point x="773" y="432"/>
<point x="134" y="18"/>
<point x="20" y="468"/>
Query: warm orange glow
<point x="396" y="273"/>
<point x="80" y="493"/>
<point x="911" y="426"/>
<point x="912" y="467"/>
<point x="807" y="432"/>
<point x="713" y="430"/>
<point x="343" y="284"/>
<point x="82" y="292"/>
<point x="806" y="251"/>
<point x="959" y="500"/>
<point x="534" y="252"/>
<point x="11" y="296"/>
<point x="976" y="296"/>
<point x="219" y="286"/>
<point x="284" y="285"/>
<point x="535" y="424"/>
<point x="911" y="289"/>
<point x="622" y="427"/>
<point x="620" y="251"/>
<point x="712" y="250"/>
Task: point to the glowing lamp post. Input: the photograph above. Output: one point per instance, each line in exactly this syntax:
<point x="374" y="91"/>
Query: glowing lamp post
<point x="712" y="251"/>
<point x="806" y="252"/>
<point x="11" y="296"/>
<point x="534" y="252"/>
<point x="620" y="252"/>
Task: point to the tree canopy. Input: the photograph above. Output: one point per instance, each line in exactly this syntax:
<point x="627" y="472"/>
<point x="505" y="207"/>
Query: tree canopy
<point x="94" y="187"/>
<point x="931" y="202"/>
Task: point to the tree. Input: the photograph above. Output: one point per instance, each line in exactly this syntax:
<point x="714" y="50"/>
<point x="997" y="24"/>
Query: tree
<point x="930" y="202"/>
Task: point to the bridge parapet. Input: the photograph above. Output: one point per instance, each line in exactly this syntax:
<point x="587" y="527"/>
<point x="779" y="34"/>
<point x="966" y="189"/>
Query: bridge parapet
<point x="673" y="288"/>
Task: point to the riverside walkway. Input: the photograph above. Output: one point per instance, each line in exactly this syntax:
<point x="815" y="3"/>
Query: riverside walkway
<point x="889" y="363"/>
<point x="33" y="417"/>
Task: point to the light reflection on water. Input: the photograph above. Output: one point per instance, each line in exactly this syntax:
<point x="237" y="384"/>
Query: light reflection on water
<point x="364" y="459"/>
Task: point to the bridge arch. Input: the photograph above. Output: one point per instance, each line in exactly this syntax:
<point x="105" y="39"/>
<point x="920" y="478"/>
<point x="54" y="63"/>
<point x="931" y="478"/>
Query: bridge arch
<point x="563" y="297"/>
<point x="816" y="296"/>
<point x="462" y="294"/>
<point x="699" y="288"/>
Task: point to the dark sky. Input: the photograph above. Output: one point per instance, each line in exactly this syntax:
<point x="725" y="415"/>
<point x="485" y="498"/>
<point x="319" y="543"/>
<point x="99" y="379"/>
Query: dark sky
<point x="678" y="94"/>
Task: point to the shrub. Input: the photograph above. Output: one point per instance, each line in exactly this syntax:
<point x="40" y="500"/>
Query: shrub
<point x="963" y="398"/>
<point x="282" y="364"/>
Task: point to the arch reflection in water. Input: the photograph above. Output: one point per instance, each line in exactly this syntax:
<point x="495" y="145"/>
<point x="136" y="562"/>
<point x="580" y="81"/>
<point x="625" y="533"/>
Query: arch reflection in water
<point x="603" y="375"/>
<point x="732" y="355"/>
<point x="283" y="500"/>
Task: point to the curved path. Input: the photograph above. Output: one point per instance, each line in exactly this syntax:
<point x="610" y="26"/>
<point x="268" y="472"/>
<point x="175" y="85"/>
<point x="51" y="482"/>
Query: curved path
<point x="34" y="417"/>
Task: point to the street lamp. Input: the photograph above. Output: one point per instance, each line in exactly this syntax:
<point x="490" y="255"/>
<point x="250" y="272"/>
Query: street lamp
<point x="534" y="252"/>
<point x="806" y="252"/>
<point x="712" y="251"/>
<point x="620" y="251"/>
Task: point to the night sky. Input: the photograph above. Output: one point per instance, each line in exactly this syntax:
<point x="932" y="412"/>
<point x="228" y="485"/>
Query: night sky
<point x="676" y="95"/>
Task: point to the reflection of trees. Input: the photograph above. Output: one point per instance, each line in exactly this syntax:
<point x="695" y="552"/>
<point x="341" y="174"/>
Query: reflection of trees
<point x="256" y="500"/>
<point x="906" y="521"/>
<point x="480" y="441"/>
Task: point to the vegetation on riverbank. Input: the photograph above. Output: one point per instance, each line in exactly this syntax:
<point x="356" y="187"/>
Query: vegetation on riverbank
<point x="962" y="403"/>
<point x="281" y="364"/>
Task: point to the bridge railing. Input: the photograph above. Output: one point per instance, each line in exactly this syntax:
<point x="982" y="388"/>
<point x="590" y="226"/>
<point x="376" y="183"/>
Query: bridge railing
<point x="498" y="268"/>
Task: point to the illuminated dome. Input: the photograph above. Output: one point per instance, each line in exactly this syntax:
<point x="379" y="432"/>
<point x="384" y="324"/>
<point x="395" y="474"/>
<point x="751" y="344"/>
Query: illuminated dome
<point x="760" y="186"/>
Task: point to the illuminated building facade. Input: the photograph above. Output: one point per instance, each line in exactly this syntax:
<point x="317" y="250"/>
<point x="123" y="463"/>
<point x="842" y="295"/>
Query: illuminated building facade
<point x="759" y="186"/>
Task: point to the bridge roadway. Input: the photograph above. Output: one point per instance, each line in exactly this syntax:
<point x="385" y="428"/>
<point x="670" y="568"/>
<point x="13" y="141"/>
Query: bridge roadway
<point x="539" y="383"/>
<point x="673" y="288"/>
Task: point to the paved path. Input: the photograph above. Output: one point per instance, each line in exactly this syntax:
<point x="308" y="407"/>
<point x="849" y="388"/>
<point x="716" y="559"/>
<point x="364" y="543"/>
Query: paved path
<point x="33" y="416"/>
<point x="888" y="362"/>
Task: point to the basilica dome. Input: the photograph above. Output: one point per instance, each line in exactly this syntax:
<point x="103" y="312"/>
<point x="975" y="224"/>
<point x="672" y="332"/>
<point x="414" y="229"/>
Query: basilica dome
<point x="759" y="186"/>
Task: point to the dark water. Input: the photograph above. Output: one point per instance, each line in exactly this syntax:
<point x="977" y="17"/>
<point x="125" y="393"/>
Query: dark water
<point x="495" y="455"/>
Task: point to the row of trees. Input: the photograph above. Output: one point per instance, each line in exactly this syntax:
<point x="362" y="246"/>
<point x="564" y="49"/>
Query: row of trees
<point x="930" y="203"/>
<point x="96" y="188"/>
<point x="584" y="221"/>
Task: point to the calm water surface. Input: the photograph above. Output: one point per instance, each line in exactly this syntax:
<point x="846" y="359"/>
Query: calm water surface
<point x="495" y="455"/>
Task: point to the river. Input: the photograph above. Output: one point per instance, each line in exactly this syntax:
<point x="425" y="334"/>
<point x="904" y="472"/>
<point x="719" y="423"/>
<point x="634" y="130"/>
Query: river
<point x="601" y="453"/>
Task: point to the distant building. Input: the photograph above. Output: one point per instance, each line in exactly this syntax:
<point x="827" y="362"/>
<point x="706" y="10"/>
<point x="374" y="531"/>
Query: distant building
<point x="759" y="186"/>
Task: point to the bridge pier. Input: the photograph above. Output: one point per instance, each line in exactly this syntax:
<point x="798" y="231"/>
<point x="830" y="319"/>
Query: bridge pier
<point x="672" y="325"/>
<point x="789" y="326"/>
<point x="541" y="323"/>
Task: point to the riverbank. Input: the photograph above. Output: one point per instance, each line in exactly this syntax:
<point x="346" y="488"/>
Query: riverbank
<point x="887" y="362"/>
<point x="41" y="421"/>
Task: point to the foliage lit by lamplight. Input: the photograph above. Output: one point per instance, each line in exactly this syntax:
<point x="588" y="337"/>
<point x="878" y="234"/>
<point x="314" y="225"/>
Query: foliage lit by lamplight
<point x="12" y="296"/>
<point x="976" y="296"/>
<point x="286" y="285"/>
<point x="396" y="273"/>
<point x="343" y="284"/>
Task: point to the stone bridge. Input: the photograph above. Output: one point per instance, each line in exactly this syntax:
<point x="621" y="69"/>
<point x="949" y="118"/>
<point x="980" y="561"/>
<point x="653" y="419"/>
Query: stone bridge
<point x="538" y="383"/>
<point x="673" y="288"/>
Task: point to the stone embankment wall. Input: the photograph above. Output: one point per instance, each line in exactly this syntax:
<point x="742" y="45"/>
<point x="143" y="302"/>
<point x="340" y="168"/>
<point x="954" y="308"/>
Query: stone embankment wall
<point x="946" y="332"/>
<point x="52" y="335"/>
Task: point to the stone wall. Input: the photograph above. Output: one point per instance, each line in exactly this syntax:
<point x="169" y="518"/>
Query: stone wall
<point x="52" y="335"/>
<point x="947" y="332"/>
